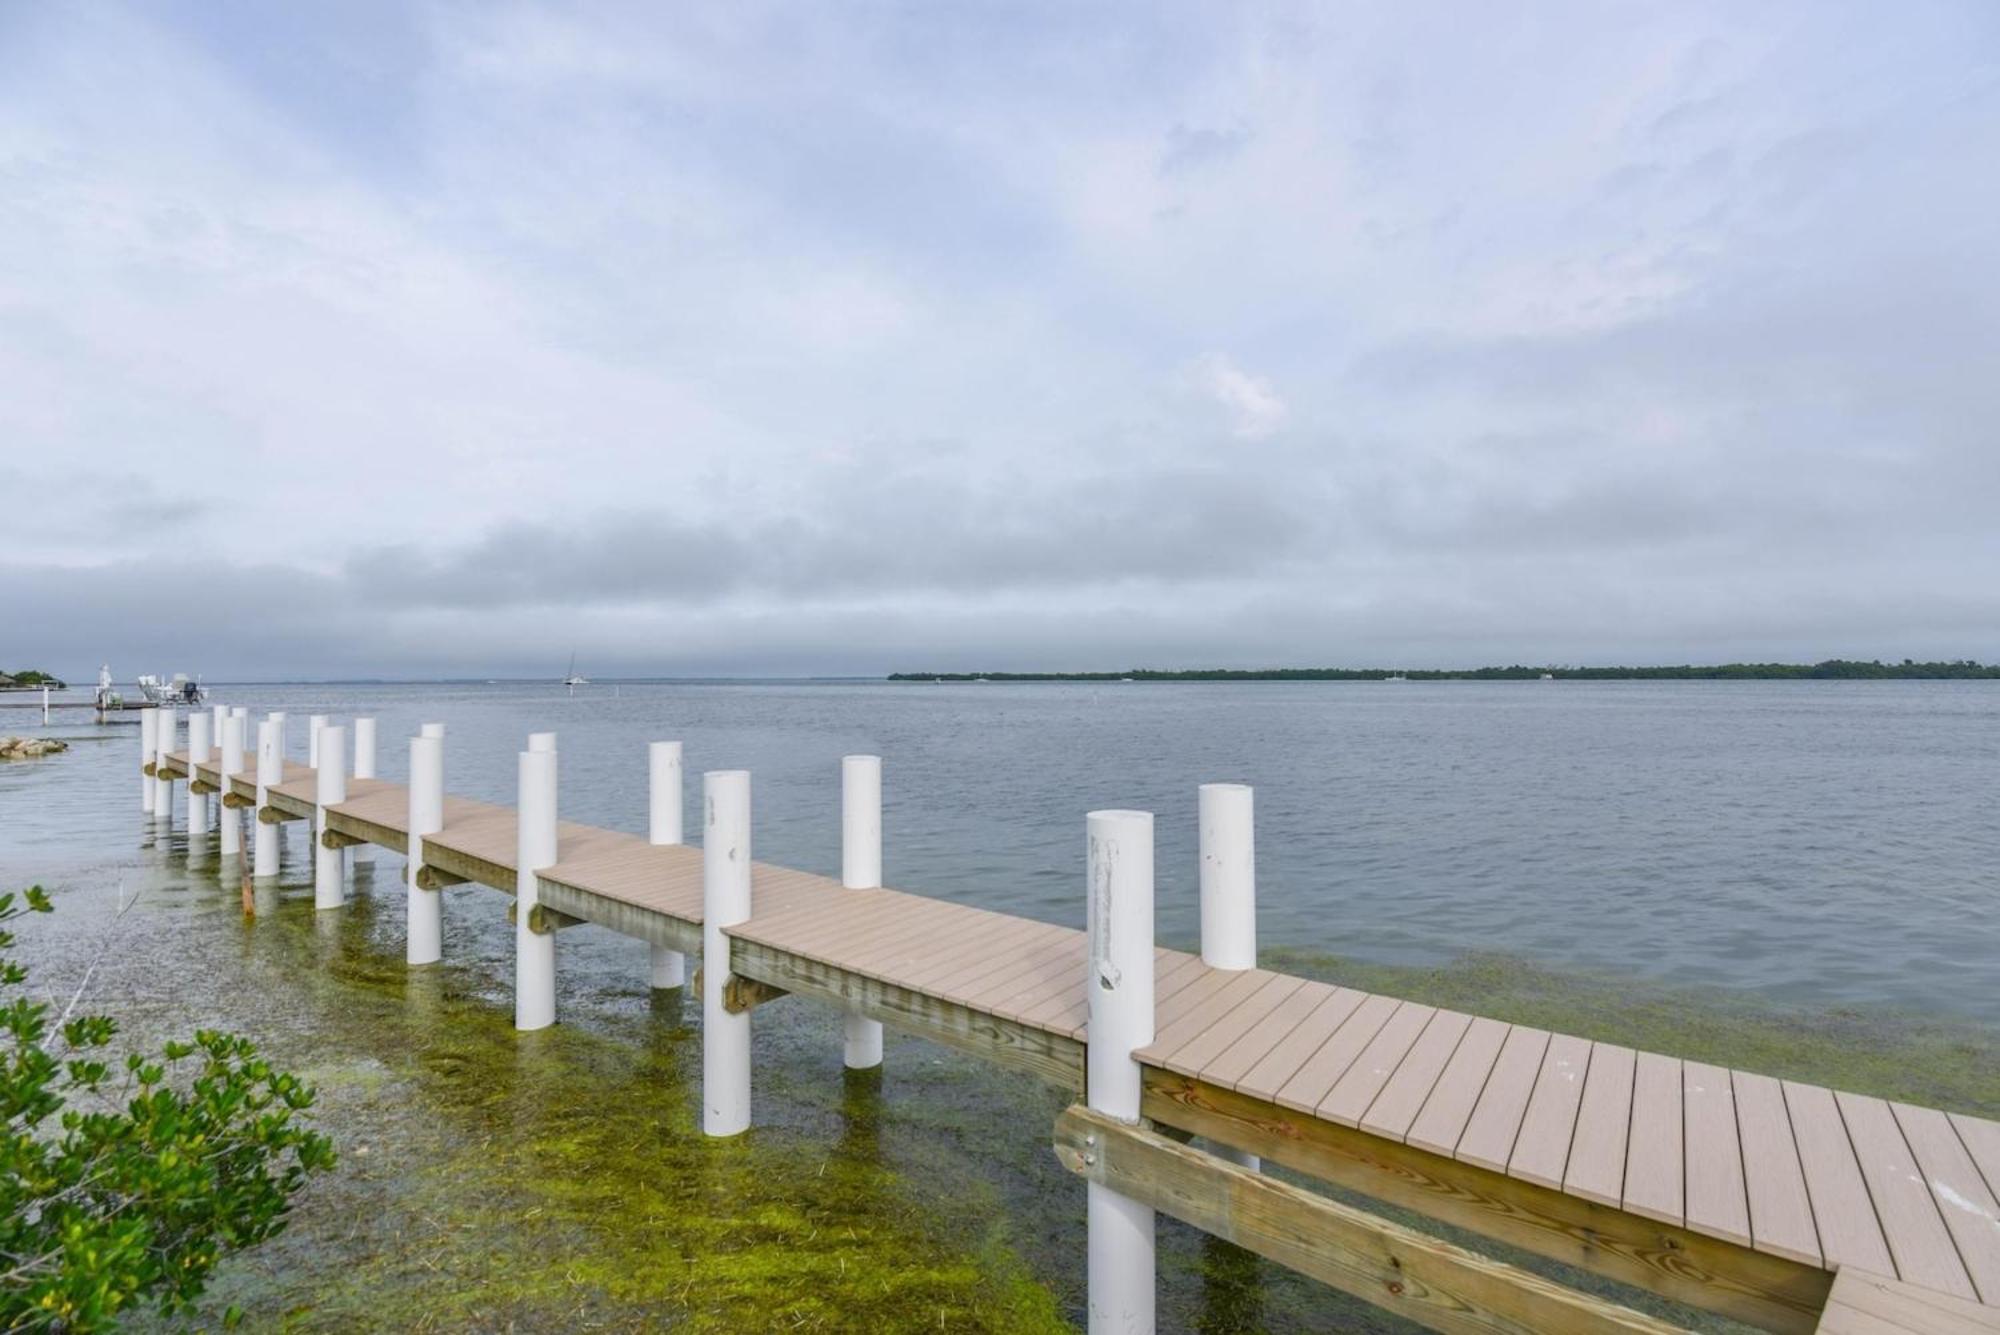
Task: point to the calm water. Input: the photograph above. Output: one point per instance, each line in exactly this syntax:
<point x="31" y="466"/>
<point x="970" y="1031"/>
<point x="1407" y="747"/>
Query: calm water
<point x="1819" y="844"/>
<point x="1788" y="847"/>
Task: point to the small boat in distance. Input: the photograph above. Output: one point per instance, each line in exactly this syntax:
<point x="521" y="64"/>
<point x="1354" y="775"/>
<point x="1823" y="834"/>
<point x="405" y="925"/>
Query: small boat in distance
<point x="1397" y="677"/>
<point x="1548" y="676"/>
<point x="178" y="691"/>
<point x="570" y="679"/>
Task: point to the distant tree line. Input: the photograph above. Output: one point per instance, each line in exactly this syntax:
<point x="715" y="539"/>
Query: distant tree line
<point x="1833" y="669"/>
<point x="30" y="677"/>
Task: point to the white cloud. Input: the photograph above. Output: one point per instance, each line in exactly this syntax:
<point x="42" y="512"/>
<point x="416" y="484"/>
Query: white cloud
<point x="1250" y="403"/>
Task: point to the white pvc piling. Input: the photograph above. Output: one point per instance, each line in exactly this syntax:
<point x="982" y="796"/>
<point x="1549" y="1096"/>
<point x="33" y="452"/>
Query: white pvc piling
<point x="331" y="790"/>
<point x="1120" y="990"/>
<point x="270" y="773"/>
<point x="164" y="729"/>
<point x="1228" y="826"/>
<point x="433" y="730"/>
<point x="534" y="952"/>
<point x="314" y="722"/>
<point x="861" y="869"/>
<point x="425" y="935"/>
<point x="198" y="733"/>
<point x="149" y="719"/>
<point x="663" y="775"/>
<point x="725" y="901"/>
<point x="230" y="764"/>
<point x="364" y="748"/>
<point x="45" y="704"/>
<point x="1228" y="876"/>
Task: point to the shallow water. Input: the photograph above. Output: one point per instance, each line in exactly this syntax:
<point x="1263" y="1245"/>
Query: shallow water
<point x="559" y="1180"/>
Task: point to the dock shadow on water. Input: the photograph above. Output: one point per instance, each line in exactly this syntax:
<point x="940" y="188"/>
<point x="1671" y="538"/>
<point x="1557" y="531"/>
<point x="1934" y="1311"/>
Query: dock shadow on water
<point x="491" y="1180"/>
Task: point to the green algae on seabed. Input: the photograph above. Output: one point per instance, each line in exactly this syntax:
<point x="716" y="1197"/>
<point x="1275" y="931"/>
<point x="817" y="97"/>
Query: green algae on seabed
<point x="560" y="1180"/>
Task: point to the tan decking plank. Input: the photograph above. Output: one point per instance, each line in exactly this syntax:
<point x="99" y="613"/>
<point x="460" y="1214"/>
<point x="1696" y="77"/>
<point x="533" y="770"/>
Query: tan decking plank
<point x="1917" y="1237"/>
<point x="1867" y="1304"/>
<point x="1781" y="1219"/>
<point x="1981" y="1139"/>
<point x="966" y="962"/>
<point x="1236" y="1026"/>
<point x="1654" y="1171"/>
<point x="1173" y="1032"/>
<point x="1447" y="1109"/>
<point x="1541" y="1149"/>
<point x="1051" y="992"/>
<point x="1195" y="998"/>
<point x="1403" y="1097"/>
<point x="1843" y="1213"/>
<point x="1228" y="1066"/>
<point x="1022" y="968"/>
<point x="1320" y="1071"/>
<point x="1971" y="1214"/>
<point x="1262" y="1076"/>
<point x="1596" y="1169"/>
<point x="1488" y="1137"/>
<point x="1058" y="1003"/>
<point x="1354" y="1093"/>
<point x="1717" y="1203"/>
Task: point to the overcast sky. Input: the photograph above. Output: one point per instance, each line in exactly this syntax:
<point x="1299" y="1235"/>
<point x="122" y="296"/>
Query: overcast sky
<point x="438" y="339"/>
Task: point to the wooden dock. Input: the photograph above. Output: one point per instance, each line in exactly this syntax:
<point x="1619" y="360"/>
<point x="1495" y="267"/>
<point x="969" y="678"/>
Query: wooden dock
<point x="1781" y="1204"/>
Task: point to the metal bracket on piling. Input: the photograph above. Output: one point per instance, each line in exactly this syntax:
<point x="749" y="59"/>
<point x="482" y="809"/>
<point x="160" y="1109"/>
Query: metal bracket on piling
<point x="433" y="878"/>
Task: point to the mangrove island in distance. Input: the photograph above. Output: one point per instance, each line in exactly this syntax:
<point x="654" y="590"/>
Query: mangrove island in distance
<point x="1833" y="669"/>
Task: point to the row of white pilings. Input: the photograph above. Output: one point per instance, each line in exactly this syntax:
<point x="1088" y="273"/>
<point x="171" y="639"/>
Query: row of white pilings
<point x="1119" y="885"/>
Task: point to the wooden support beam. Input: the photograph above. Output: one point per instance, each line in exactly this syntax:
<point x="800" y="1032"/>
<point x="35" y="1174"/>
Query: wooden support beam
<point x="436" y="878"/>
<point x="1398" y="1269"/>
<point x="541" y="918"/>
<point x="237" y="801"/>
<point x="1676" y="1263"/>
<point x="331" y="838"/>
<point x="465" y="866"/>
<point x="1056" y="1058"/>
<point x="201" y="786"/>
<point x="740" y="994"/>
<point x="367" y="831"/>
<point x="269" y="815"/>
<point x="149" y="769"/>
<point x="621" y="916"/>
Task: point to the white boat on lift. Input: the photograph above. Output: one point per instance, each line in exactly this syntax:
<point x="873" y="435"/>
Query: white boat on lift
<point x="180" y="689"/>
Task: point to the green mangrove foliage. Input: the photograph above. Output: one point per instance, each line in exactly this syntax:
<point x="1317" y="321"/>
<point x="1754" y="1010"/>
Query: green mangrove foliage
<point x="122" y="1184"/>
<point x="1833" y="669"/>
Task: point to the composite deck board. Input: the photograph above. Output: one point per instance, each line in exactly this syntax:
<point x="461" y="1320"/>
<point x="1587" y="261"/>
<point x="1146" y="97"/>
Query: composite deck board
<point x="1354" y="1093"/>
<point x="1866" y="1304"/>
<point x="1239" y="1025"/>
<point x="1448" y="1107"/>
<point x="1240" y="1066"/>
<point x="1488" y="1137"/>
<point x="1970" y="1212"/>
<point x="1849" y="1183"/>
<point x="1717" y="1203"/>
<point x="1850" y="1234"/>
<point x="1405" y="1093"/>
<point x="1781" y="1220"/>
<point x="1239" y="986"/>
<point x="1597" y="1158"/>
<point x="1918" y="1240"/>
<point x="1320" y="1071"/>
<point x="1541" y="1148"/>
<point x="1654" y="1168"/>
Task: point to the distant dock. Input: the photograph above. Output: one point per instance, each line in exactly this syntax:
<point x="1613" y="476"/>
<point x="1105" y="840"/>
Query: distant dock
<point x="1782" y="1205"/>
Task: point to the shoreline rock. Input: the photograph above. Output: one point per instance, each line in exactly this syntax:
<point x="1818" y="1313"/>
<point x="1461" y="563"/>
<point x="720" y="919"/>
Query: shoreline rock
<point x="30" y="748"/>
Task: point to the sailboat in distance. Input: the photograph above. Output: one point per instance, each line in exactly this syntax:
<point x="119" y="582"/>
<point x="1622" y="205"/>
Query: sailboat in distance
<point x="570" y="679"/>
